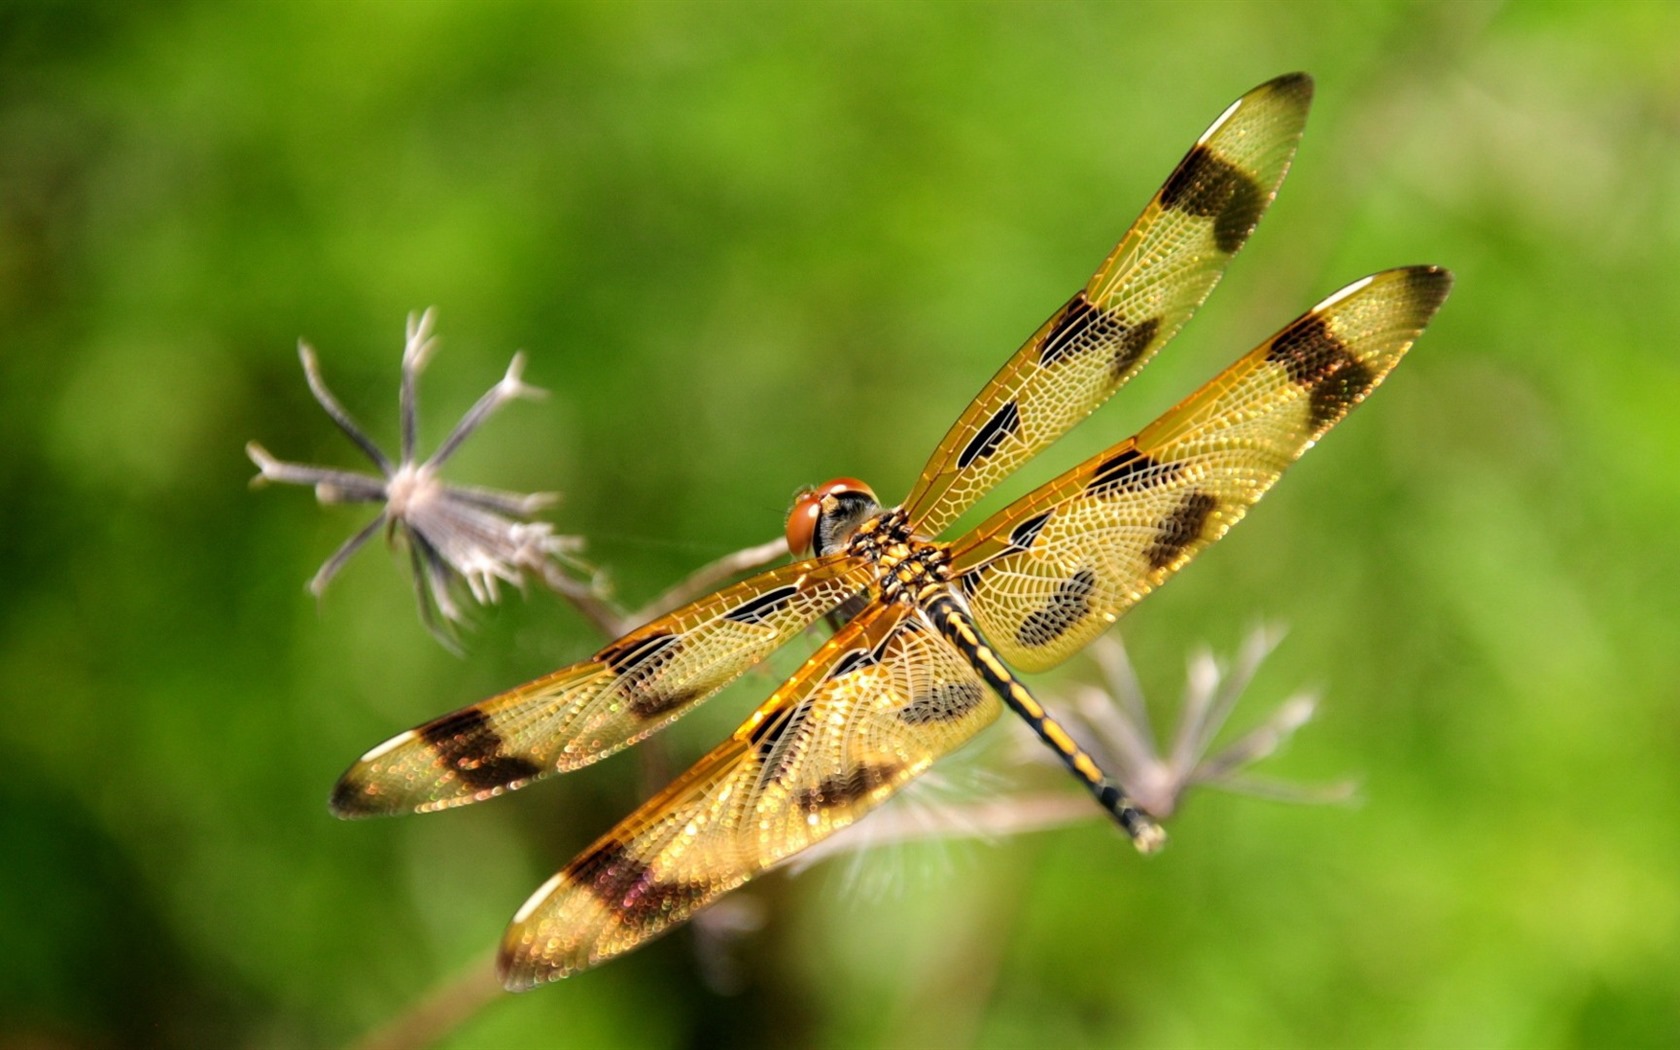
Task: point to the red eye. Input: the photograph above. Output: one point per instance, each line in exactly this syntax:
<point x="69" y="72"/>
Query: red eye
<point x="807" y="508"/>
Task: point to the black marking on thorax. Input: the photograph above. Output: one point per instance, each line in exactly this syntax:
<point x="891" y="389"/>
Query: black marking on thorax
<point x="903" y="564"/>
<point x="927" y="564"/>
<point x="472" y="749"/>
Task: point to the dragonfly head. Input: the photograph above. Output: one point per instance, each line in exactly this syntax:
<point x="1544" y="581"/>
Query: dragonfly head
<point x="824" y="518"/>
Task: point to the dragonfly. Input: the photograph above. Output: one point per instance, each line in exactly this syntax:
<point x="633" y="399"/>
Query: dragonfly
<point x="933" y="632"/>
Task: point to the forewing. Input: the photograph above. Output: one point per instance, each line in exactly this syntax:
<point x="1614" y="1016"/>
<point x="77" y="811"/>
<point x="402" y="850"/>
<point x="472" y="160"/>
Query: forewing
<point x="633" y="687"/>
<point x="1052" y="571"/>
<point x="1144" y="292"/>
<point x="872" y="709"/>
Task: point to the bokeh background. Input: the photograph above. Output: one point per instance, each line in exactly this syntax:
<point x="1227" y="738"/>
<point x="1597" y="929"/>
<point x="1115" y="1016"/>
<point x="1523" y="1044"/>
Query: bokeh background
<point x="749" y="247"/>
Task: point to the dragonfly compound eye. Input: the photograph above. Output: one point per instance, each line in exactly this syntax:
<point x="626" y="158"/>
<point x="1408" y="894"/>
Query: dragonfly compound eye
<point x="824" y="517"/>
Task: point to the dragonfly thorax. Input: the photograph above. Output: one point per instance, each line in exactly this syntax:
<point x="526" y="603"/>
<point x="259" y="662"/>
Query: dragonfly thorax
<point x="843" y="516"/>
<point x="905" y="566"/>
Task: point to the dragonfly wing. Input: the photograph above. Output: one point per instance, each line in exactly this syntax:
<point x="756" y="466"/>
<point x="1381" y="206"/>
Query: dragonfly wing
<point x="1156" y="277"/>
<point x="579" y="714"/>
<point x="1049" y="573"/>
<point x="870" y="710"/>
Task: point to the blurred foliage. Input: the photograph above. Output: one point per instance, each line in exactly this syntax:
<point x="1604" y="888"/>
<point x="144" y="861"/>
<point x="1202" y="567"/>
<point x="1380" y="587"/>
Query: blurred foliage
<point x="753" y="246"/>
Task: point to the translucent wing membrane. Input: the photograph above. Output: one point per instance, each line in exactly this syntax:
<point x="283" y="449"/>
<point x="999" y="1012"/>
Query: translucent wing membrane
<point x="1049" y="573"/>
<point x="1144" y="292"/>
<point x="872" y="709"/>
<point x="633" y="687"/>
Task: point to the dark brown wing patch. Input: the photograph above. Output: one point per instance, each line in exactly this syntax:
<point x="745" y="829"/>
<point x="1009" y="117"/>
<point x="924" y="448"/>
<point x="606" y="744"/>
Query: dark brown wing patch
<point x="1313" y="356"/>
<point x="1138" y="299"/>
<point x="1070" y="330"/>
<point x="1021" y="537"/>
<point x="843" y="790"/>
<point x="1208" y="187"/>
<point x="467" y="745"/>
<point x="1133" y="341"/>
<point x="1129" y="470"/>
<point x="1181" y="528"/>
<point x="630" y="887"/>
<point x="987" y="439"/>
<point x="829" y="745"/>
<point x="1067" y="605"/>
<point x="1337" y="392"/>
<point x="1080" y="328"/>
<point x="639" y="661"/>
<point x="946" y="702"/>
<point x="1308" y="350"/>
<point x="640" y="655"/>
<point x="759" y="608"/>
<point x="1138" y="512"/>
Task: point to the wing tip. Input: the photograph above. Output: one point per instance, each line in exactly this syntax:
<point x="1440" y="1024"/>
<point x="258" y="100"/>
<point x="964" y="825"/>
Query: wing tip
<point x="1426" y="286"/>
<point x="1297" y="86"/>
<point x="1280" y="103"/>
<point x="353" y="797"/>
<point x="515" y="972"/>
<point x="513" y="963"/>
<point x="1430" y="284"/>
<point x="520" y="969"/>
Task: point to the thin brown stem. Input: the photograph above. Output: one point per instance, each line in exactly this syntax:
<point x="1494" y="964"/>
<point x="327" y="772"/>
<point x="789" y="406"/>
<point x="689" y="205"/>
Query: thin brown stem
<point x="946" y="1004"/>
<point x="707" y="578"/>
<point x="586" y="597"/>
<point x="441" y="1011"/>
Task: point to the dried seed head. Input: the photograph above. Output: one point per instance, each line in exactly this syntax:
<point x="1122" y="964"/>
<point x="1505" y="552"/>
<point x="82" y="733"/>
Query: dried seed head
<point x="460" y="537"/>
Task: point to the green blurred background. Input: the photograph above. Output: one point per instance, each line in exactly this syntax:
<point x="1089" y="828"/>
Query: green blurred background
<point x="750" y="247"/>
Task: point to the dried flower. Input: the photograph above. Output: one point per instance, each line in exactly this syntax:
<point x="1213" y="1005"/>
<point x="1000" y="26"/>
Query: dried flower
<point x="1116" y="727"/>
<point x="1111" y="722"/>
<point x="458" y="536"/>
